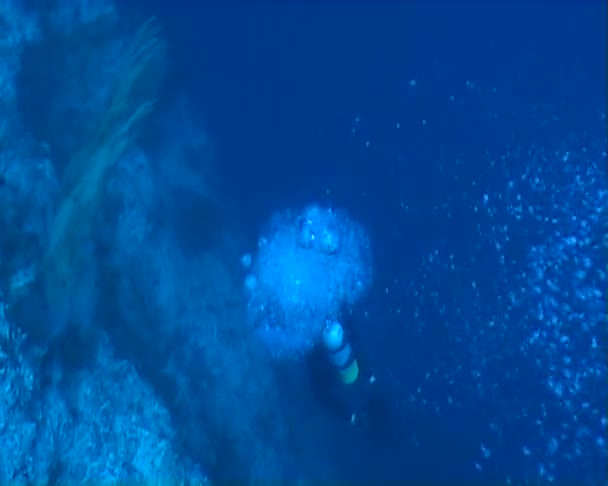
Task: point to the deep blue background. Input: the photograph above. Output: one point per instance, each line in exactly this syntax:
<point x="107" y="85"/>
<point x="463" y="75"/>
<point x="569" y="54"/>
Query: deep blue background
<point x="281" y="84"/>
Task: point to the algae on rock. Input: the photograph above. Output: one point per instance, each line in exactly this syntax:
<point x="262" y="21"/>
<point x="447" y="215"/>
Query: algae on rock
<point x="131" y="100"/>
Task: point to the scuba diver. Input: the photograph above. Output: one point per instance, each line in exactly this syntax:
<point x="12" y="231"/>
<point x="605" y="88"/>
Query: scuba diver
<point x="344" y="384"/>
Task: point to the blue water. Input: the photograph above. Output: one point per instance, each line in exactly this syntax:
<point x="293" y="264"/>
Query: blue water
<point x="465" y="142"/>
<point x="399" y="113"/>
